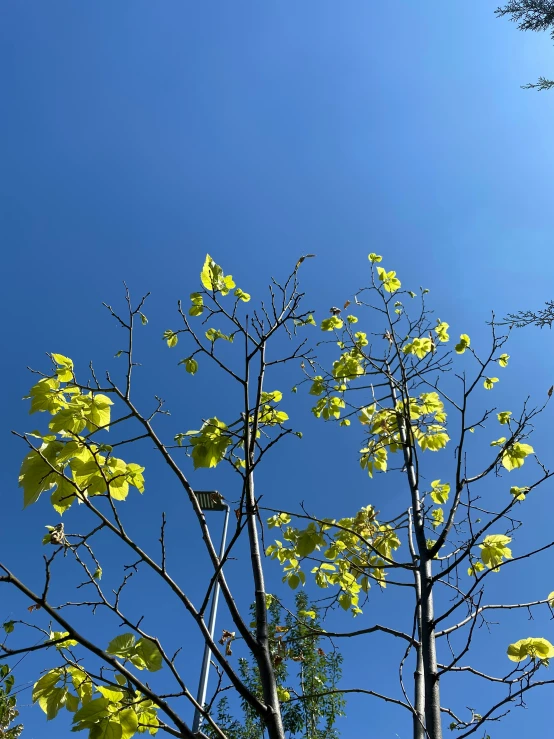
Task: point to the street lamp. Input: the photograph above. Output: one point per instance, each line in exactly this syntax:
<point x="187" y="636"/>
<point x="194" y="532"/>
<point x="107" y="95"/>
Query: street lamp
<point x="209" y="500"/>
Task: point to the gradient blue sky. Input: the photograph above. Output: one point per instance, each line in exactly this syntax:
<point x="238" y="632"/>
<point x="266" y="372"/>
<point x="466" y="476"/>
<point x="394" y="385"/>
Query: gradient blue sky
<point x="137" y="136"/>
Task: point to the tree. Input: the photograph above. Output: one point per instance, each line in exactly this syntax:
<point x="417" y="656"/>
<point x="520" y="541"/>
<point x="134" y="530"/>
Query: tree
<point x="312" y="700"/>
<point x="8" y="710"/>
<point x="398" y="383"/>
<point x="100" y="681"/>
<point x="531" y="15"/>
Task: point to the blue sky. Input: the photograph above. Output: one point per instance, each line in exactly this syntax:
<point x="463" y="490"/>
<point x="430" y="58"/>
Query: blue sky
<point x="137" y="136"/>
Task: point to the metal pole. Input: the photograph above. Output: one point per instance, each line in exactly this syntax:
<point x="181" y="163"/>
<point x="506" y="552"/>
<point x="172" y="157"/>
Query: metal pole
<point x="203" y="683"/>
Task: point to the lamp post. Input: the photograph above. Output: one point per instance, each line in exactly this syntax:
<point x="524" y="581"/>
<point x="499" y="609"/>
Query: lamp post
<point x="209" y="500"/>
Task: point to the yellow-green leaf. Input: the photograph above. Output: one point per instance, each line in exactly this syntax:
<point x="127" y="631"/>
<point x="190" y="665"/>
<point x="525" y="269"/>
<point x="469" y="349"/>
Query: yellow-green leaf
<point x="191" y="365"/>
<point x="489" y="382"/>
<point x="519" y="493"/>
<point x="171" y="338"/>
<point x="65" y="369"/>
<point x="241" y="295"/>
<point x="332" y="324"/>
<point x="213" y="279"/>
<point x="533" y="647"/>
<point x="440" y="492"/>
<point x="463" y="344"/>
<point x="514" y="456"/>
<point x="390" y="281"/>
<point x="441" y="329"/>
<point x="197" y="307"/>
<point x="494" y="550"/>
<point x="419" y="346"/>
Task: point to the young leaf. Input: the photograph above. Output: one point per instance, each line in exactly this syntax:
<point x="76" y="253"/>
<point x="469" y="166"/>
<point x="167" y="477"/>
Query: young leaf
<point x="241" y="295"/>
<point x="390" y="281"/>
<point x="519" y="493"/>
<point x="514" y="456"/>
<point x="533" y="647"/>
<point x="442" y="331"/>
<point x="171" y="338"/>
<point x="489" y="382"/>
<point x="332" y="324"/>
<point x="440" y="492"/>
<point x="463" y="344"/>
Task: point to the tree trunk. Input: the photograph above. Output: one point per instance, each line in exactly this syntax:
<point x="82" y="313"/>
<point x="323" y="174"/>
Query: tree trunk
<point x="274" y="723"/>
<point x="429" y="654"/>
<point x="419" y="679"/>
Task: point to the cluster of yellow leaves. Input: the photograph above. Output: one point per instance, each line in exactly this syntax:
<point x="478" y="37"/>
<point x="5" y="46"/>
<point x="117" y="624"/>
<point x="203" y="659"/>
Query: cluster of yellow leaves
<point x="347" y="554"/>
<point x="426" y="428"/>
<point x="494" y="551"/>
<point x="213" y="280"/>
<point x="535" y="648"/>
<point x="209" y="444"/>
<point x="113" y="711"/>
<point x="68" y="464"/>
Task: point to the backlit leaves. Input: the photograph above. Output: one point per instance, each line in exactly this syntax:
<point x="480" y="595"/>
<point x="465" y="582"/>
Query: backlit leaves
<point x="54" y="635"/>
<point x="489" y="382"/>
<point x="503" y="360"/>
<point x="390" y="281"/>
<point x="348" y="366"/>
<point x="71" y="466"/>
<point x="197" y="307"/>
<point x="241" y="295"/>
<point x="308" y="321"/>
<point x="420" y="347"/>
<point x="144" y="654"/>
<point x="106" y="711"/>
<point x="441" y="329"/>
<point x="434" y="439"/>
<point x="213" y="279"/>
<point x="463" y="344"/>
<point x="356" y="552"/>
<point x="191" y="365"/>
<point x="209" y="444"/>
<point x="535" y="648"/>
<point x="171" y="338"/>
<point x="333" y="323"/>
<point x="64" y="369"/>
<point x="514" y="456"/>
<point x="519" y="493"/>
<point x="328" y="408"/>
<point x="440" y="492"/>
<point x="36" y="474"/>
<point x="213" y="334"/>
<point x="494" y="550"/>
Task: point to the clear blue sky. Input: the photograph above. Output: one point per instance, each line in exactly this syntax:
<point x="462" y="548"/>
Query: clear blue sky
<point x="137" y="136"/>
